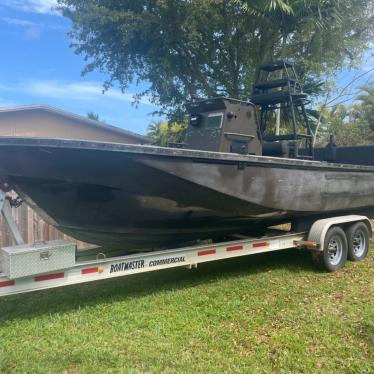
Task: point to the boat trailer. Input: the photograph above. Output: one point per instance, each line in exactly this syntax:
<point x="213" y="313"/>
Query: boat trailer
<point x="48" y="264"/>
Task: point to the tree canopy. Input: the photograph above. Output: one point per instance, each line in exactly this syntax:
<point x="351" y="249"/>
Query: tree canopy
<point x="366" y="98"/>
<point x="351" y="123"/>
<point x="93" y="116"/>
<point x="190" y="48"/>
<point x="163" y="132"/>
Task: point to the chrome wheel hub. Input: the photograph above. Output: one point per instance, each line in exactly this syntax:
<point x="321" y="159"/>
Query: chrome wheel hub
<point x="335" y="250"/>
<point x="359" y="243"/>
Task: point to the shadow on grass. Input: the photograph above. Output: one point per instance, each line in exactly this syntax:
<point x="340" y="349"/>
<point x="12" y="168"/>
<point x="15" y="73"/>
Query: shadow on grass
<point x="64" y="299"/>
<point x="366" y="334"/>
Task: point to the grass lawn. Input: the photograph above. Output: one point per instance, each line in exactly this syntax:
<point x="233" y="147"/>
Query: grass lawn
<point x="270" y="313"/>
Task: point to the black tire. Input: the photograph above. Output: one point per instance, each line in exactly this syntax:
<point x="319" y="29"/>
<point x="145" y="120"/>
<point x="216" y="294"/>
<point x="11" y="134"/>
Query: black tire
<point x="358" y="237"/>
<point x="335" y="250"/>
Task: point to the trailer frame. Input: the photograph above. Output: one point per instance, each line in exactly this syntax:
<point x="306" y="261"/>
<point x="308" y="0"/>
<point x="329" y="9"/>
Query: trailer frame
<point x="97" y="264"/>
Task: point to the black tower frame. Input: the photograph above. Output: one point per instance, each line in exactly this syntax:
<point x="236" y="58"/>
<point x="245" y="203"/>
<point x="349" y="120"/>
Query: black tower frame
<point x="285" y="94"/>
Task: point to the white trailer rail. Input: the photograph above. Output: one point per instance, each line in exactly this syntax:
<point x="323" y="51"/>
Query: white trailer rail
<point x="28" y="267"/>
<point x="89" y="271"/>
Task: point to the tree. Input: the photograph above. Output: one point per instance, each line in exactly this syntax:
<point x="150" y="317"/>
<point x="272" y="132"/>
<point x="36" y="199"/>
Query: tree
<point x="195" y="48"/>
<point x="367" y="104"/>
<point x="163" y="132"/>
<point x="350" y="123"/>
<point x="347" y="128"/>
<point x="93" y="116"/>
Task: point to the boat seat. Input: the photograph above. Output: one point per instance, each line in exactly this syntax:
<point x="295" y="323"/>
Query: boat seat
<point x="275" y="149"/>
<point x="275" y="83"/>
<point x="274" y="138"/>
<point x="277" y="98"/>
<point x="275" y="65"/>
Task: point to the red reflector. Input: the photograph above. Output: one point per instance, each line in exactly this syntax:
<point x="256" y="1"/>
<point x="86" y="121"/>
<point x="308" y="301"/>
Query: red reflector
<point x="206" y="252"/>
<point x="7" y="283"/>
<point x="234" y="248"/>
<point x="41" y="278"/>
<point x="260" y="244"/>
<point x="90" y="270"/>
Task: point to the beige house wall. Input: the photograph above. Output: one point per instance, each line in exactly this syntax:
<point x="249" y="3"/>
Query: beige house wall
<point x="49" y="124"/>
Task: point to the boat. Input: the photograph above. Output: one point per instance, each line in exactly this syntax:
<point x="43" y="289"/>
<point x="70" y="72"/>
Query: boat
<point x="227" y="178"/>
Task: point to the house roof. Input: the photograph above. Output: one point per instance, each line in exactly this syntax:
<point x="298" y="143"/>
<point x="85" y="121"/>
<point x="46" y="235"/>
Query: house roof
<point x="76" y="118"/>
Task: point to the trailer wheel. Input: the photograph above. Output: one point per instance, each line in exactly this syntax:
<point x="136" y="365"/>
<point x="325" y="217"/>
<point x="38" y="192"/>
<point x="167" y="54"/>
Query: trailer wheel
<point x="358" y="237"/>
<point x="335" y="250"/>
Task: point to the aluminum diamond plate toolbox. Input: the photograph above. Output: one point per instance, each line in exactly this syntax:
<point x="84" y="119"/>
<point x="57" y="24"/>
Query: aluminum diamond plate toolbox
<point x="41" y="257"/>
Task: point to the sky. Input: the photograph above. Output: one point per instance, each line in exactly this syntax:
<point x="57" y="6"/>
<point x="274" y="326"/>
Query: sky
<point x="38" y="67"/>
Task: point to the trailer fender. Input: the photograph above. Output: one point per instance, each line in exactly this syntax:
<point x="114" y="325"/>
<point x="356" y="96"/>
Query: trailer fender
<point x="317" y="232"/>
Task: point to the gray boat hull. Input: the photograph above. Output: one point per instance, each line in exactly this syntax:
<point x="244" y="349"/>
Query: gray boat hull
<point x="142" y="197"/>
